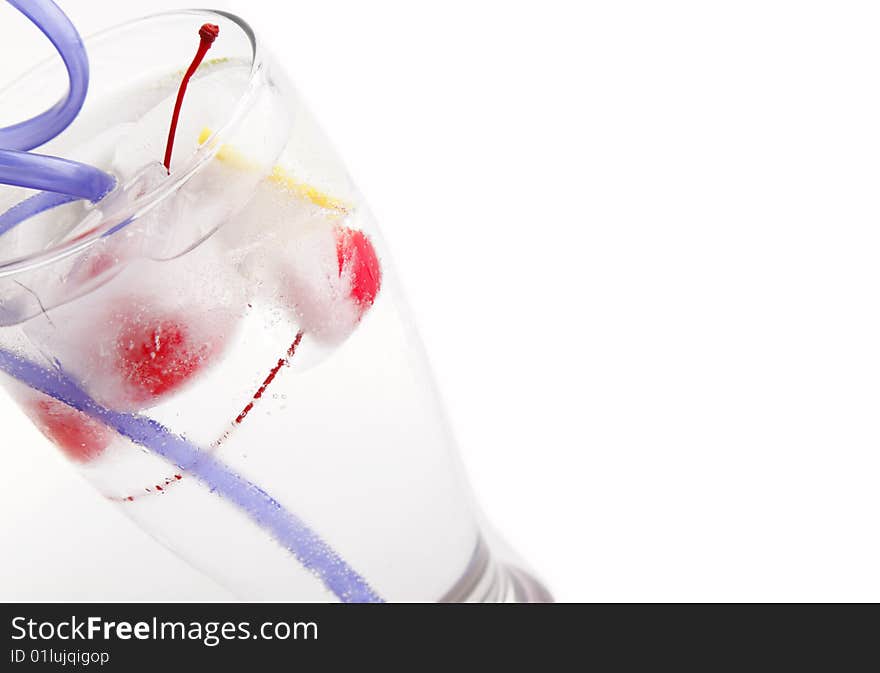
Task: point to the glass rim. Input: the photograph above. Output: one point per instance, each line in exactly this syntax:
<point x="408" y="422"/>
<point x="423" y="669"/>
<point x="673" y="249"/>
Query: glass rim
<point x="150" y="199"/>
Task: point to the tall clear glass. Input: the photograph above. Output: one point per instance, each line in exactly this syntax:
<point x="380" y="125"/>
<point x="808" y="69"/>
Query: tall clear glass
<point x="223" y="351"/>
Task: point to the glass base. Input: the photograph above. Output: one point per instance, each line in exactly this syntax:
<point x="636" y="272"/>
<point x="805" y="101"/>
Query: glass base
<point x="487" y="580"/>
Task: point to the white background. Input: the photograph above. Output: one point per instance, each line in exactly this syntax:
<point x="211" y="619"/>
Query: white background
<point x="641" y="241"/>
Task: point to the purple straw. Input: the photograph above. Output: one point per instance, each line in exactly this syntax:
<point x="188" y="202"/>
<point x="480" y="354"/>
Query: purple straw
<point x="288" y="529"/>
<point x="34" y="171"/>
<point x="54" y="174"/>
<point x="49" y="18"/>
<point x="34" y="205"/>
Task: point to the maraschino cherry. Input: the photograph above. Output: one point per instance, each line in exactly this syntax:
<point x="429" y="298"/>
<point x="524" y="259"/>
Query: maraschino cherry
<point x="80" y="437"/>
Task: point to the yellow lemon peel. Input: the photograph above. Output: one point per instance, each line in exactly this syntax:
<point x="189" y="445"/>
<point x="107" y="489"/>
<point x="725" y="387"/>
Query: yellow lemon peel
<point x="279" y="176"/>
<point x="207" y="63"/>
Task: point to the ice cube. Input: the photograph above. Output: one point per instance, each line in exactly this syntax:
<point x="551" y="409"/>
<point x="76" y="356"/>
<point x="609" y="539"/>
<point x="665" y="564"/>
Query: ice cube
<point x="209" y="103"/>
<point x="147" y="334"/>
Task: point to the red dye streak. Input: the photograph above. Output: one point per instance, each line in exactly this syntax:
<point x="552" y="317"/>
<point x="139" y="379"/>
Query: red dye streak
<point x="250" y="405"/>
<point x="81" y="236"/>
<point x="169" y="481"/>
<point x="207" y="34"/>
<point x="272" y="374"/>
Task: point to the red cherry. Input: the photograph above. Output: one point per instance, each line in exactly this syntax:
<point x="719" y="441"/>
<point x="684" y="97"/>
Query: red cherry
<point x="157" y="356"/>
<point x="357" y="258"/>
<point x="80" y="437"/>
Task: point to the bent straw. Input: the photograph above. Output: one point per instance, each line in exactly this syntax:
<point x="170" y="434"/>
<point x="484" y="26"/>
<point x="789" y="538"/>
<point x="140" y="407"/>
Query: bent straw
<point x="34" y="171"/>
<point x="32" y="133"/>
<point x="284" y="526"/>
<point x="54" y="174"/>
<point x="34" y="205"/>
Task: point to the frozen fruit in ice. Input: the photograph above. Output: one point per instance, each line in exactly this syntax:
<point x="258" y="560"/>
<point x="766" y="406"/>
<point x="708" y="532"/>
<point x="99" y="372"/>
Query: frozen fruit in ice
<point x="359" y="265"/>
<point x="145" y="335"/>
<point x="330" y="276"/>
<point x="302" y="256"/>
<point x="79" y="436"/>
<point x="156" y="354"/>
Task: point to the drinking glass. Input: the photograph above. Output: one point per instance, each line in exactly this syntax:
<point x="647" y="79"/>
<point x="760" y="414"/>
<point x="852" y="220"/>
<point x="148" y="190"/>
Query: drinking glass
<point x="223" y="351"/>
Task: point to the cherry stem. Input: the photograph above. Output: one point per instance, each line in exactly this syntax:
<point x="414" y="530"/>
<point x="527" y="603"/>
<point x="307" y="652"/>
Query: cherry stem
<point x="207" y="34"/>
